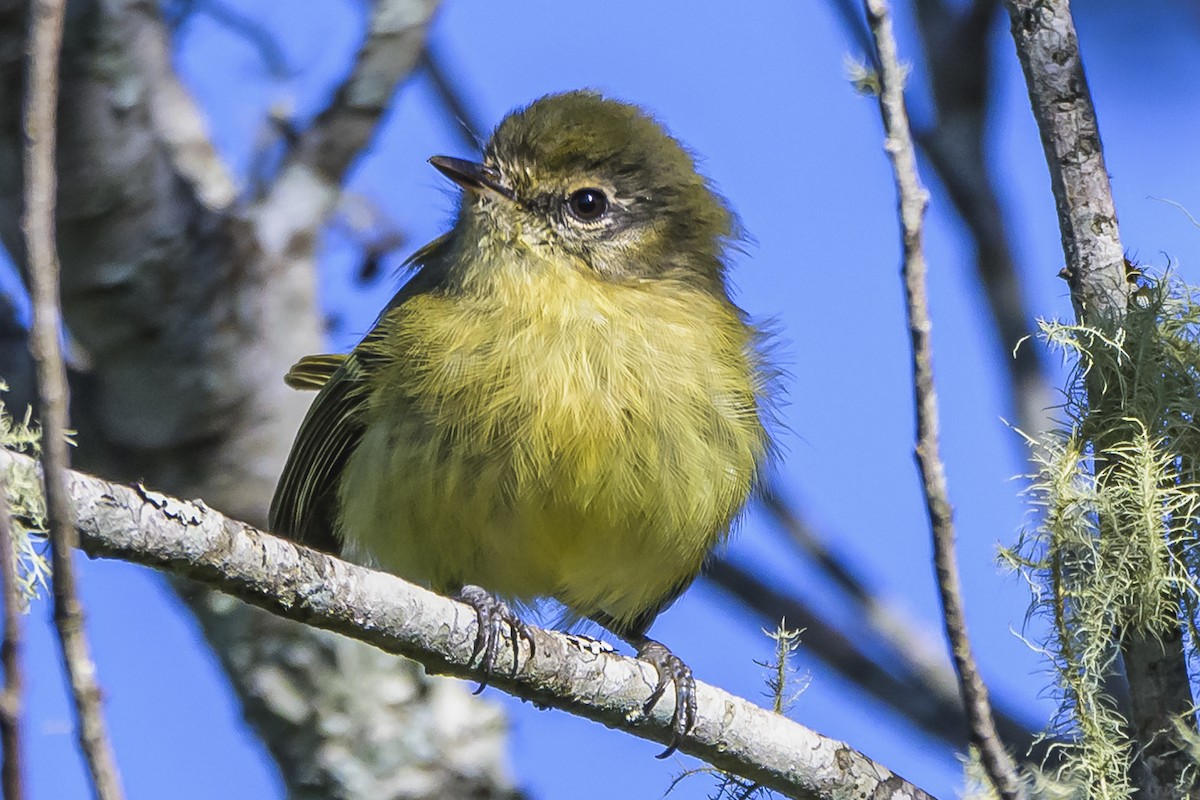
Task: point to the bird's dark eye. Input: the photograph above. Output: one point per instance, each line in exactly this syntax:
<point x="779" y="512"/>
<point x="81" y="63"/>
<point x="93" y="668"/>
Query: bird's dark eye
<point x="587" y="205"/>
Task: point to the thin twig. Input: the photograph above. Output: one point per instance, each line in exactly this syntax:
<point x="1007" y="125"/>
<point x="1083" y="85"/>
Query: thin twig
<point x="12" y="784"/>
<point x="191" y="540"/>
<point x="956" y="39"/>
<point x="913" y="200"/>
<point x="45" y="43"/>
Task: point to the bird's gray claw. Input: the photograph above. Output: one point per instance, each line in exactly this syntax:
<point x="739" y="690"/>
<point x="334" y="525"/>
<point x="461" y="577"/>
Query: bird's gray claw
<point x="671" y="668"/>
<point x="492" y="614"/>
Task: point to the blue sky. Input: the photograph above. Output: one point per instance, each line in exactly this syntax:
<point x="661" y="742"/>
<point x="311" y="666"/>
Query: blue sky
<point x="760" y="92"/>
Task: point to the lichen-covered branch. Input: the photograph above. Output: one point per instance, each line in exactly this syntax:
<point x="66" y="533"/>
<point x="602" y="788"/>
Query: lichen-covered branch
<point x="1155" y="662"/>
<point x="188" y="539"/>
<point x="913" y="199"/>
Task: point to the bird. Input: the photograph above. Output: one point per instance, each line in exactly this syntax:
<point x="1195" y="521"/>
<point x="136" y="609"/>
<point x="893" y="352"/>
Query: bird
<point x="563" y="401"/>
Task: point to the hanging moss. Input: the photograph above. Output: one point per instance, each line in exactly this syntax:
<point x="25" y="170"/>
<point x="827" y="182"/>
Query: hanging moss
<point x="1116" y="497"/>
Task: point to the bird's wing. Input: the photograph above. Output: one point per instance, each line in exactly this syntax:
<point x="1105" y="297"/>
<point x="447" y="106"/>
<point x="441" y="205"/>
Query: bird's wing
<point x="304" y="507"/>
<point x="311" y="373"/>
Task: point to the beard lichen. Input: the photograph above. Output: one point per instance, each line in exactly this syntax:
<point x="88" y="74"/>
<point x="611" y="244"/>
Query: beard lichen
<point x="26" y="506"/>
<point x="1115" y="494"/>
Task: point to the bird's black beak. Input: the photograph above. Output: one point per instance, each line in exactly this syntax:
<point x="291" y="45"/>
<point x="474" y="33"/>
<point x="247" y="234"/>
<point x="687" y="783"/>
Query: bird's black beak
<point x="471" y="176"/>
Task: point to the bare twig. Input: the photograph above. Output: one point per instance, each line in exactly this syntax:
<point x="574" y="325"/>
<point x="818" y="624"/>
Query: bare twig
<point x="956" y="40"/>
<point x="912" y="200"/>
<point x="45" y="43"/>
<point x="1047" y="46"/>
<point x="12" y="784"/>
<point x="189" y="539"/>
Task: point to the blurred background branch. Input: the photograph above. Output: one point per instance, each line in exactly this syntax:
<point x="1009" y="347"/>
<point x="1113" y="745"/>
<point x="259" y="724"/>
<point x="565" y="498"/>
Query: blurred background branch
<point x="957" y="44"/>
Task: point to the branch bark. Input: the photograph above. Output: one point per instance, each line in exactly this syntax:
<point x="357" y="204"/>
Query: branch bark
<point x="912" y="201"/>
<point x="189" y="539"/>
<point x="1048" y="49"/>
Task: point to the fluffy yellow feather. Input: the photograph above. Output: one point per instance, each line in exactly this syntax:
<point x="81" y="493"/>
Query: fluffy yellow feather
<point x="550" y="433"/>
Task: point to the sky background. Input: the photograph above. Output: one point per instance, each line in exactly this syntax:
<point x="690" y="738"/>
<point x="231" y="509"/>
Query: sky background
<point x="760" y="92"/>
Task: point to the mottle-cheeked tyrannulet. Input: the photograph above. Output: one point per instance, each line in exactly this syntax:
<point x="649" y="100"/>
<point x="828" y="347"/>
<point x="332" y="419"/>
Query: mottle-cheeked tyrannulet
<point x="562" y="402"/>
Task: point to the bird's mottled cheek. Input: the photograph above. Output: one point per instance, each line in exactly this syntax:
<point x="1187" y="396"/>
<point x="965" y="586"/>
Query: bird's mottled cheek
<point x="493" y="217"/>
<point x="507" y="225"/>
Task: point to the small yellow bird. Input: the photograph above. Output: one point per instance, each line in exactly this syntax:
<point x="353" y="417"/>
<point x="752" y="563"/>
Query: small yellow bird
<point x="562" y="401"/>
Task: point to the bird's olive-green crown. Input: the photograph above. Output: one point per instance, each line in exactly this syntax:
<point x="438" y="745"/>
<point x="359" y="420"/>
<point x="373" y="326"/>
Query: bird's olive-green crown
<point x="604" y="181"/>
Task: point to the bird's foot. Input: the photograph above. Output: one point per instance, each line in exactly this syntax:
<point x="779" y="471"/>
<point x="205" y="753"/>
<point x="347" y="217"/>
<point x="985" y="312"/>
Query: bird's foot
<point x="491" y="614"/>
<point x="671" y="668"/>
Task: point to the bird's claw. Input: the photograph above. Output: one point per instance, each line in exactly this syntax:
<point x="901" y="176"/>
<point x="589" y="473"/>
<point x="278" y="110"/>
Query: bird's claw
<point x="491" y="614"/>
<point x="671" y="668"/>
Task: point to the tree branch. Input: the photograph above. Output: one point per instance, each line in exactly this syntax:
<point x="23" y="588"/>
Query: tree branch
<point x="957" y="49"/>
<point x="45" y="44"/>
<point x="189" y="539"/>
<point x="913" y="200"/>
<point x="1156" y="665"/>
<point x="262" y="39"/>
<point x="1048" y="50"/>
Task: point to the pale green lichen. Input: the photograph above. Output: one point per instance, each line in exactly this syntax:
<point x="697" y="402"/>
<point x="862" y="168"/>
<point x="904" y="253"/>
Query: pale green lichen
<point x="1116" y="493"/>
<point x="26" y="507"/>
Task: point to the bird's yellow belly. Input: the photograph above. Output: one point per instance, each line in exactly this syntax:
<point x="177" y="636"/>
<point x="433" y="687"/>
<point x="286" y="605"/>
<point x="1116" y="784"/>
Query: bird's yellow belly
<point x="592" y="455"/>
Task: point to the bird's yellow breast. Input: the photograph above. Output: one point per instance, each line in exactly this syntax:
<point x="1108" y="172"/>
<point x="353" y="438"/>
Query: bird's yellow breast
<point x="557" y="435"/>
